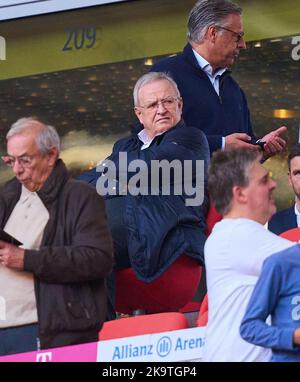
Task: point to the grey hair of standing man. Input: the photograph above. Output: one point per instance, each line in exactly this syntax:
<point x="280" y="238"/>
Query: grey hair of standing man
<point x="206" y="13"/>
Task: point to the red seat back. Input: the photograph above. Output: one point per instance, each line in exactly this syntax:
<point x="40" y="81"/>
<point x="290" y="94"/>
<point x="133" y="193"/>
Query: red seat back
<point x="139" y="325"/>
<point x="212" y="218"/>
<point x="168" y="293"/>
<point x="292" y="234"/>
<point x="175" y="288"/>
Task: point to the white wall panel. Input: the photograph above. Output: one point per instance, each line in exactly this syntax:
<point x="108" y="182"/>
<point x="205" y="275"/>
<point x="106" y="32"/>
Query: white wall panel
<point x="13" y="9"/>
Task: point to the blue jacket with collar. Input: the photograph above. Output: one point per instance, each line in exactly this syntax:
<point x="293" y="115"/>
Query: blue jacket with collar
<point x="160" y="228"/>
<point x="217" y="116"/>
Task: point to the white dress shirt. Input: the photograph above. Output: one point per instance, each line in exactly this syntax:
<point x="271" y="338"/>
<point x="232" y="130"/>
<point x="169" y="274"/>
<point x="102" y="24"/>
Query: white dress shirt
<point x="144" y="137"/>
<point x="297" y="213"/>
<point x="214" y="77"/>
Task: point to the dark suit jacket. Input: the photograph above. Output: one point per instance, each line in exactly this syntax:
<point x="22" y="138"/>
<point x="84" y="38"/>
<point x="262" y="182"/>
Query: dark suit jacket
<point x="215" y="115"/>
<point x="283" y="221"/>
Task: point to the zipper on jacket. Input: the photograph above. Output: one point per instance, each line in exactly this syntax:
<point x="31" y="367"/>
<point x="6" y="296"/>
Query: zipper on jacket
<point x="223" y="76"/>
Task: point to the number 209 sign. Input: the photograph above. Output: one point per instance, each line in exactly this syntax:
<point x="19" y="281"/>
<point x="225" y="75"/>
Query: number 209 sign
<point x="80" y="38"/>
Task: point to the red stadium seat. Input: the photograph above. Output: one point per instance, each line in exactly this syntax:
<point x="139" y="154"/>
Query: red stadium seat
<point x="139" y="325"/>
<point x="172" y="291"/>
<point x="168" y="293"/>
<point x="212" y="218"/>
<point x="292" y="234"/>
<point x="192" y="306"/>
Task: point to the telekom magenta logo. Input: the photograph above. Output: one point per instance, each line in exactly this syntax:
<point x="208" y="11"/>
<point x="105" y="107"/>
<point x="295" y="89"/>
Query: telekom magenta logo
<point x="44" y="357"/>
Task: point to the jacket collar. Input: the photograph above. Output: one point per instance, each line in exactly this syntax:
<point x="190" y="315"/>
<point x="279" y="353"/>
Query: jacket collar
<point x="11" y="191"/>
<point x="189" y="56"/>
<point x="159" y="138"/>
<point x="56" y="180"/>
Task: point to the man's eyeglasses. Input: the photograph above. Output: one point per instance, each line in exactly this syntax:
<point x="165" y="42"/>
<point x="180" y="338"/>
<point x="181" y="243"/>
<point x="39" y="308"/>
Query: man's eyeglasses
<point x="24" y="161"/>
<point x="167" y="103"/>
<point x="239" y="35"/>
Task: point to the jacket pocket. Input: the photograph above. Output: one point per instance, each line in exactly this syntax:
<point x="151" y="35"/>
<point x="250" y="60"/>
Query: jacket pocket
<point x="80" y="303"/>
<point x="67" y="307"/>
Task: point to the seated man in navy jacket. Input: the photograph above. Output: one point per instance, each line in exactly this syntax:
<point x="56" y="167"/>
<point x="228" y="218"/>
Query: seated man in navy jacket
<point x="289" y="218"/>
<point x="212" y="99"/>
<point x="154" y="221"/>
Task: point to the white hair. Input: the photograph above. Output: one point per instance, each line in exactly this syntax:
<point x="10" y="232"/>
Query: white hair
<point x="152" y="77"/>
<point x="46" y="138"/>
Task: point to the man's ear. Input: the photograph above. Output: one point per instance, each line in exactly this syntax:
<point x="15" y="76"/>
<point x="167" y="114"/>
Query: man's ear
<point x="239" y="194"/>
<point x="53" y="155"/>
<point x="139" y="114"/>
<point x="211" y="33"/>
<point x="180" y="104"/>
<point x="289" y="179"/>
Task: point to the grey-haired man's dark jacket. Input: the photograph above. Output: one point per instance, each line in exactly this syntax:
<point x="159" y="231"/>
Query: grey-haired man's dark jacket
<point x="74" y="258"/>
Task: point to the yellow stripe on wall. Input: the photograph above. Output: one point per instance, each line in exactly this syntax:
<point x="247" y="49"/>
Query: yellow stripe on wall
<point x="124" y="32"/>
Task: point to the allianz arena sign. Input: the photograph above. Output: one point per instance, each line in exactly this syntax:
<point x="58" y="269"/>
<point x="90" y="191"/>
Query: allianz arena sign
<point x="172" y="346"/>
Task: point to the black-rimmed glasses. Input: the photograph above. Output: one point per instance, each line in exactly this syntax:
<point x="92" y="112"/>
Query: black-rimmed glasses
<point x="239" y="35"/>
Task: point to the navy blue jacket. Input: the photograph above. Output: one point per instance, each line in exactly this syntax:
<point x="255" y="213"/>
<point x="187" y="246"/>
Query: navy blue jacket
<point x="283" y="221"/>
<point x="160" y="228"/>
<point x="216" y="116"/>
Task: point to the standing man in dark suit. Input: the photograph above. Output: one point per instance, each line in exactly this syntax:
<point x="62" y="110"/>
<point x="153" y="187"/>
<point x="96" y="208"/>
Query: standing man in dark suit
<point x="290" y="217"/>
<point x="213" y="101"/>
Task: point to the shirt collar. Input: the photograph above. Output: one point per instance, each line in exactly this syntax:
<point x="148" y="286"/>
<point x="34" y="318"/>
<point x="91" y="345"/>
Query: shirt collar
<point x="144" y="137"/>
<point x="206" y="67"/>
<point x="296" y="211"/>
<point x="26" y="194"/>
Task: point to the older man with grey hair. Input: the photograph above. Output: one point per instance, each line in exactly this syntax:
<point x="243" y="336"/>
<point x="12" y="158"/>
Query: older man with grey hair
<point x="151" y="230"/>
<point x="52" y="286"/>
<point x="213" y="101"/>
